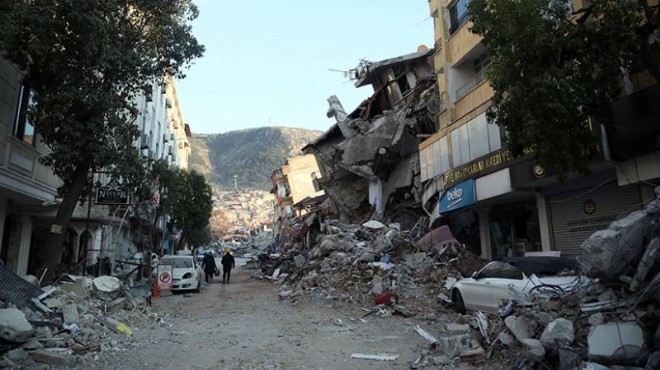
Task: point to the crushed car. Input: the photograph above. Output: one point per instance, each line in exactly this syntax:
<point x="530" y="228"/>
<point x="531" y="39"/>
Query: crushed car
<point x="515" y="279"/>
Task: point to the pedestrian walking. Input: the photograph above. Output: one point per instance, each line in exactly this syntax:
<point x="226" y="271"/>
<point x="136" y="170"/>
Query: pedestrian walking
<point x="228" y="263"/>
<point x="208" y="264"/>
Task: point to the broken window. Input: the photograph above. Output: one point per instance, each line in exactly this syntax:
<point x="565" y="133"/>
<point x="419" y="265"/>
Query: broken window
<point x="458" y="14"/>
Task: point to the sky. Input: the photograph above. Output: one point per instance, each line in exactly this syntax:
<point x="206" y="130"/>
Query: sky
<point x="267" y="63"/>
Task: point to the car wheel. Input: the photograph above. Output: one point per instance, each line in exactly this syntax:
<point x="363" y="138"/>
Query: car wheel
<point x="457" y="300"/>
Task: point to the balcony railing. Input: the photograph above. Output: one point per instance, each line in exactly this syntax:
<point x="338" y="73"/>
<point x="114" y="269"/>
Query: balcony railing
<point x="479" y="77"/>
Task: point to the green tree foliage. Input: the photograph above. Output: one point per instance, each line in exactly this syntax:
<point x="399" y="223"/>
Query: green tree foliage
<point x="88" y="60"/>
<point x="554" y="76"/>
<point x="190" y="206"/>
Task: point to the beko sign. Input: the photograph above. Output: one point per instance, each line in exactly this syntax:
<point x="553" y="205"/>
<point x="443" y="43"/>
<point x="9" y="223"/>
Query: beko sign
<point x="458" y="196"/>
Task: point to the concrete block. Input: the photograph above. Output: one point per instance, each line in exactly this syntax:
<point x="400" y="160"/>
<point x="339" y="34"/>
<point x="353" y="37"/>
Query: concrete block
<point x="14" y="326"/>
<point x="568" y="360"/>
<point x="377" y="284"/>
<point x="17" y="354"/>
<point x="608" y="252"/>
<point x="593" y="366"/>
<point x="558" y="331"/>
<point x="373" y="224"/>
<point x="51" y="358"/>
<point x="534" y="347"/>
<point x="519" y="327"/>
<point x="616" y="342"/>
<point x="70" y="313"/>
<point x="299" y="260"/>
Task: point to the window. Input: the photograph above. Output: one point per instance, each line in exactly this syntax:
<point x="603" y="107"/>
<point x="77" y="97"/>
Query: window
<point x="501" y="270"/>
<point x="24" y="128"/>
<point x="458" y="14"/>
<point x="434" y="159"/>
<point x="474" y="139"/>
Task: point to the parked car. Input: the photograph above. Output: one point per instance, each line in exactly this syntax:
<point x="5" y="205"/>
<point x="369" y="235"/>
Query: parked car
<point x="489" y="289"/>
<point x="186" y="273"/>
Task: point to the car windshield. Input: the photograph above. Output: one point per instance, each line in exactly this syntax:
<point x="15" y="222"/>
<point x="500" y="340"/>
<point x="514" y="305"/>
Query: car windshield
<point x="500" y="269"/>
<point x="177" y="262"/>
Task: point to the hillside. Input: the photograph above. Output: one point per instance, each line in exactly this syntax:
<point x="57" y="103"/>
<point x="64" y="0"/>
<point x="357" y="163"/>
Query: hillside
<point x="251" y="154"/>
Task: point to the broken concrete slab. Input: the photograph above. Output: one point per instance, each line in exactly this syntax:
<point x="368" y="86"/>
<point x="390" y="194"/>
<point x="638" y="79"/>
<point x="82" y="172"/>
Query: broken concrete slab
<point x="107" y="284"/>
<point x="608" y="252"/>
<point x="14" y="327"/>
<point x="32" y="345"/>
<point x="300" y="261"/>
<point x="651" y="255"/>
<point x="17" y="354"/>
<point x="593" y="366"/>
<point x="534" y="349"/>
<point x="559" y="331"/>
<point x="376" y="284"/>
<point x="568" y="360"/>
<point x="616" y="342"/>
<point x="414" y="260"/>
<point x="51" y="358"/>
<point x="373" y="224"/>
<point x="377" y="357"/>
<point x="519" y="326"/>
<point x="70" y="314"/>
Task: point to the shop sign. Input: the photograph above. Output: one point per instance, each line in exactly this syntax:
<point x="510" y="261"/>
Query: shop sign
<point x="111" y="193"/>
<point x="491" y="162"/>
<point x="458" y="196"/>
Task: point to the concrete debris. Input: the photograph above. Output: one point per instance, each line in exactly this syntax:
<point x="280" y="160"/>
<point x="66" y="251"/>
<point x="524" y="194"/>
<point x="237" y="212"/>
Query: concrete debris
<point x="560" y="331"/>
<point x="51" y="358"/>
<point x="107" y="284"/>
<point x="14" y="327"/>
<point x="535" y="349"/>
<point x="621" y="342"/>
<point x="611" y="321"/>
<point x="519" y="327"/>
<point x="377" y="357"/>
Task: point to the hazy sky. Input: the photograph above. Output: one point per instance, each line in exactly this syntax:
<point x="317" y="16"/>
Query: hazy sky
<point x="266" y="62"/>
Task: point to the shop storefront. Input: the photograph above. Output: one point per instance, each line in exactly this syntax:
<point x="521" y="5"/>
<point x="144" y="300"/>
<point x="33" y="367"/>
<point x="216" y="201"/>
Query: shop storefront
<point x="577" y="214"/>
<point x="454" y="208"/>
<point x="514" y="229"/>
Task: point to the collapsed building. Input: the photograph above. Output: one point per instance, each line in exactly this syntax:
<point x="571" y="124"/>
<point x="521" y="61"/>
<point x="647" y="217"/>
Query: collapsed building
<point x="369" y="159"/>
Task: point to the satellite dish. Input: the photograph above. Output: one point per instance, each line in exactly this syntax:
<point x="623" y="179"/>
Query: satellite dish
<point x="422" y="48"/>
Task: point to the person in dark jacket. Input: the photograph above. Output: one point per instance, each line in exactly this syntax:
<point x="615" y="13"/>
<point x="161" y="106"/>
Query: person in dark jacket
<point x="208" y="264"/>
<point x="228" y="263"/>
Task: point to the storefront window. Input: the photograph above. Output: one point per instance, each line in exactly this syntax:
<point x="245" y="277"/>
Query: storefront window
<point x="514" y="230"/>
<point x="464" y="225"/>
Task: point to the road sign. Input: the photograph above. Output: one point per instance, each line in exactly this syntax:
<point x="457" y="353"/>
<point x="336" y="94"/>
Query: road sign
<point x="164" y="276"/>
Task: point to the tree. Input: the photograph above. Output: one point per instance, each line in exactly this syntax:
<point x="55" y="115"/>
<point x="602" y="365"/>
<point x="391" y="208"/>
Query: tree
<point x="553" y="76"/>
<point x="88" y="60"/>
<point x="190" y="205"/>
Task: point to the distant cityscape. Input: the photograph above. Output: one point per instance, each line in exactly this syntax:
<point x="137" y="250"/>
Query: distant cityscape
<point x="239" y="213"/>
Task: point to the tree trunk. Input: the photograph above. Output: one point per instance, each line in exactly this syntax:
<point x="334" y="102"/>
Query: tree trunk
<point x="66" y="208"/>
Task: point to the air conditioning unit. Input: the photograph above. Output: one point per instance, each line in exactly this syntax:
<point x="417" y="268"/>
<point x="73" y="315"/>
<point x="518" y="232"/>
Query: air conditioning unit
<point x="168" y="103"/>
<point x="165" y="138"/>
<point x="171" y="136"/>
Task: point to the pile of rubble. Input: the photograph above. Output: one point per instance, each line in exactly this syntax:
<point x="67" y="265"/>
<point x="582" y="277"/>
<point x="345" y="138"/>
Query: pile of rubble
<point x="70" y="322"/>
<point x="611" y="324"/>
<point x="355" y="263"/>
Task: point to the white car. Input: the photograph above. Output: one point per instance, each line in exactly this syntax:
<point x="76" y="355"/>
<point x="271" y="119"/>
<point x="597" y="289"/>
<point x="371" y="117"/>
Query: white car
<point x="492" y="287"/>
<point x="186" y="273"/>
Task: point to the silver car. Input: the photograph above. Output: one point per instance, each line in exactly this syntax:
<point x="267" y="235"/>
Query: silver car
<point x="497" y="283"/>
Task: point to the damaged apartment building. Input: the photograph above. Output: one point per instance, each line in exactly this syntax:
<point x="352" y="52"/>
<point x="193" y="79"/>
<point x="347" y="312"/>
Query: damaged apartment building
<point x="369" y="159"/>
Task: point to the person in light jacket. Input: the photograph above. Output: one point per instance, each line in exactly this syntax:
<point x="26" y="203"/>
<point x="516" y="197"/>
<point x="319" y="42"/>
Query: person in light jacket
<point x="228" y="263"/>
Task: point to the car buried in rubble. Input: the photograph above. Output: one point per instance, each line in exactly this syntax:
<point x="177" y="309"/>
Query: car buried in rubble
<point x="516" y="281"/>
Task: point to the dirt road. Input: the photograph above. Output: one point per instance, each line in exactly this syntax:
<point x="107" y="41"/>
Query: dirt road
<point x="244" y="325"/>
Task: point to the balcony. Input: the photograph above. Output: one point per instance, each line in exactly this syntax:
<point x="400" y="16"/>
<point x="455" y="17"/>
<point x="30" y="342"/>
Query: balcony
<point x="479" y="77"/>
<point x="462" y="44"/>
<point x="473" y="98"/>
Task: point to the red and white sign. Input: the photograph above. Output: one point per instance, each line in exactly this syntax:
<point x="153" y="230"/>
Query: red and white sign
<point x="164" y="276"/>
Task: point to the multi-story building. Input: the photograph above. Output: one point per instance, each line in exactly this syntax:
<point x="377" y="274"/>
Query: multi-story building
<point x="28" y="190"/>
<point x="499" y="205"/>
<point x="293" y="183"/>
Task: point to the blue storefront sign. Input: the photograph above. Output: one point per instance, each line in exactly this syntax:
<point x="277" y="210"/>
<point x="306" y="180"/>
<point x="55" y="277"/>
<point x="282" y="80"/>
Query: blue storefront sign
<point x="457" y="197"/>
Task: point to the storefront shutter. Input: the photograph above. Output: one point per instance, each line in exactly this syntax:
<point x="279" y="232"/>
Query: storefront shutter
<point x="571" y="221"/>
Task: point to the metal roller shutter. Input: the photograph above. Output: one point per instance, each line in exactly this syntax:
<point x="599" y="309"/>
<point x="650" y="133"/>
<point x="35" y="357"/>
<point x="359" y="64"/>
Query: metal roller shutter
<point x="571" y="221"/>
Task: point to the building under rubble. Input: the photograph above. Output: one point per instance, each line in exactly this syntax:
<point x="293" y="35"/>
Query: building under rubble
<point x="368" y="159"/>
